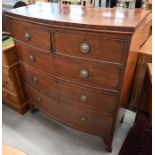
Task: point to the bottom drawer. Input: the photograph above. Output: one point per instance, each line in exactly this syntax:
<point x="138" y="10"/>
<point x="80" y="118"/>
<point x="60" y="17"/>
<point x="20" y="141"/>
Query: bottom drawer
<point x="77" y="118"/>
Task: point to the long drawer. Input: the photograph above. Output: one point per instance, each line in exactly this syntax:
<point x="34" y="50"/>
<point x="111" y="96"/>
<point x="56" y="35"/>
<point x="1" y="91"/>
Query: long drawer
<point x="75" y="117"/>
<point x="85" y="97"/>
<point x="31" y="34"/>
<point x="99" y="75"/>
<point x="90" y="47"/>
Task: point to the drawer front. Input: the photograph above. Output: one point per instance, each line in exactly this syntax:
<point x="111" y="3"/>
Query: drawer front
<point x="103" y="49"/>
<point x="71" y="94"/>
<point x="31" y="34"/>
<point x="100" y="75"/>
<point x="71" y="115"/>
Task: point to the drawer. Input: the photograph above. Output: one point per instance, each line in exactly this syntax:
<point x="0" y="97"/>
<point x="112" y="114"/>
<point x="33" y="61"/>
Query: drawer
<point x="94" y="74"/>
<point x="75" y="117"/>
<point x="89" y="47"/>
<point x="85" y="97"/>
<point x="31" y="34"/>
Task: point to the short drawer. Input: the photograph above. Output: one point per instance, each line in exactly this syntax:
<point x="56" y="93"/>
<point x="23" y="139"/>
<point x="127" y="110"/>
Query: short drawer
<point x="75" y="117"/>
<point x="94" y="74"/>
<point x="31" y="34"/>
<point x="89" y="47"/>
<point x="85" y="97"/>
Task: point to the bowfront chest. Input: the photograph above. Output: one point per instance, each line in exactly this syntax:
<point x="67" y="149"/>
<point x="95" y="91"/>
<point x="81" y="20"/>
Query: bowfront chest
<point x="74" y="62"/>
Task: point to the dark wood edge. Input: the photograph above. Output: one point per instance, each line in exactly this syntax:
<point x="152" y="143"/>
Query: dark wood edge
<point x="148" y="70"/>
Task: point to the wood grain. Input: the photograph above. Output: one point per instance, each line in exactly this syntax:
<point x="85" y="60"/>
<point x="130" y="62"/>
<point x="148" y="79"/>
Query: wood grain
<point x="114" y="36"/>
<point x="59" y="15"/>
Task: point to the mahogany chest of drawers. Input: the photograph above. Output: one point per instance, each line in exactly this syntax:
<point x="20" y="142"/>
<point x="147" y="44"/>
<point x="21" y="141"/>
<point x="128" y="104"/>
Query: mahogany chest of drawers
<point x="74" y="61"/>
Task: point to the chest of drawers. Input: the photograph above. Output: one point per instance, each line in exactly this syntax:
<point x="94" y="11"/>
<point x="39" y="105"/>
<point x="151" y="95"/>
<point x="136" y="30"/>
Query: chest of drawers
<point x="74" y="61"/>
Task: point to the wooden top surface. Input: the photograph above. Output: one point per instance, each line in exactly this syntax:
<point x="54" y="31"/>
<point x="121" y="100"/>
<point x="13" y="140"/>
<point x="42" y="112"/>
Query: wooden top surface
<point x="147" y="47"/>
<point x="8" y="150"/>
<point x="113" y="19"/>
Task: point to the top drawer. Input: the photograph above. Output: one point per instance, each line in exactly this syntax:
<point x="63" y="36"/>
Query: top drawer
<point x="31" y="34"/>
<point x="103" y="49"/>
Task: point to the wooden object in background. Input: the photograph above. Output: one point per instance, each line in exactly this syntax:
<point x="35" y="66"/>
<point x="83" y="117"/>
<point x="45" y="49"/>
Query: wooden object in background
<point x="8" y="150"/>
<point x="91" y="4"/>
<point x="33" y="1"/>
<point x="138" y="40"/>
<point x="149" y="88"/>
<point x="12" y="85"/>
<point x="74" y="62"/>
<point x="144" y="56"/>
<point x="145" y="99"/>
<point x="68" y="1"/>
<point x="150" y="5"/>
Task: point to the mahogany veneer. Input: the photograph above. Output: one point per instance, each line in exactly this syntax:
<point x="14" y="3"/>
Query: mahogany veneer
<point x="74" y="61"/>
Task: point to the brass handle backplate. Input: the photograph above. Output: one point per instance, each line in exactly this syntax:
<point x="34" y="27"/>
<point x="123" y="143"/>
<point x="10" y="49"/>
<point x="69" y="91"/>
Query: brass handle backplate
<point x="27" y="36"/>
<point x="83" y="119"/>
<point x="32" y="58"/>
<point x="84" y="73"/>
<point x="84" y="48"/>
<point x="83" y="98"/>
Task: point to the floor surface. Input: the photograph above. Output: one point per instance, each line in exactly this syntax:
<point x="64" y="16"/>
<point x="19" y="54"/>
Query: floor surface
<point x="36" y="134"/>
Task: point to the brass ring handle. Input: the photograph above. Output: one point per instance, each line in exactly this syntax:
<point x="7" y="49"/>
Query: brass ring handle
<point x="84" y="48"/>
<point x="32" y="58"/>
<point x="83" y="119"/>
<point x="84" y="73"/>
<point x="27" y="36"/>
<point x="39" y="99"/>
<point x="83" y="98"/>
<point x="34" y="79"/>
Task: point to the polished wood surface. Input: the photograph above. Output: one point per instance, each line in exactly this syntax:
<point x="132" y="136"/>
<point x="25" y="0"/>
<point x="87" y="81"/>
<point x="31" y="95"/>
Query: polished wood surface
<point x="96" y="100"/>
<point x="147" y="47"/>
<point x="75" y="16"/>
<point x="8" y="150"/>
<point x="99" y="48"/>
<point x="36" y="34"/>
<point x="60" y="67"/>
<point x="76" y="76"/>
<point x="86" y="120"/>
